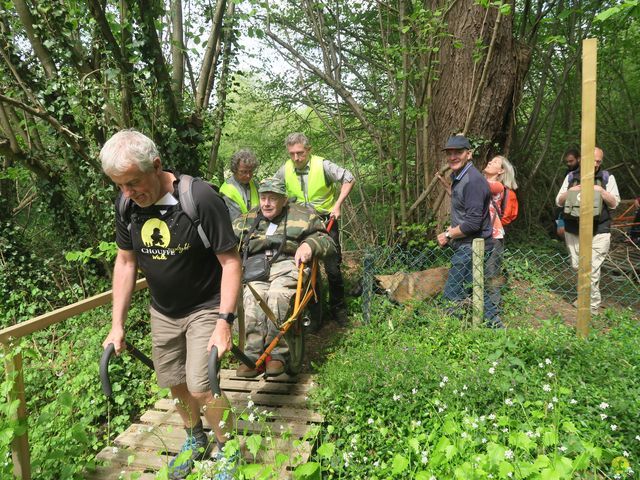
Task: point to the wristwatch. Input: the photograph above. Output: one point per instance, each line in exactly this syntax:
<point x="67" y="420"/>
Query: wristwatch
<point x="447" y="234"/>
<point x="228" y="317"/>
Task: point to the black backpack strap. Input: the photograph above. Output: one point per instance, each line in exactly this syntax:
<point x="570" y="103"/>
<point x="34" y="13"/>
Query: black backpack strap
<point x="188" y="205"/>
<point x="123" y="210"/>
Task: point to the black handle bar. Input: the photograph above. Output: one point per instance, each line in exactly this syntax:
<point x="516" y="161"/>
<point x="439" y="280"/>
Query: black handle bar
<point x="104" y="364"/>
<point x="214" y="367"/>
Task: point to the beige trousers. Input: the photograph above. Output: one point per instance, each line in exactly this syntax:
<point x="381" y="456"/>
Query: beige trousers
<point x="599" y="249"/>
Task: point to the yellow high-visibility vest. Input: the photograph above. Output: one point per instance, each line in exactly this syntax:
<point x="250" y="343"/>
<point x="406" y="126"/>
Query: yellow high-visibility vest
<point x="230" y="190"/>
<point x="319" y="194"/>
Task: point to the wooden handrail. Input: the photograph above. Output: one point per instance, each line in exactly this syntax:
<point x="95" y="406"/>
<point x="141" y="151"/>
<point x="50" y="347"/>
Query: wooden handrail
<point x="13" y="366"/>
<point x="43" y="321"/>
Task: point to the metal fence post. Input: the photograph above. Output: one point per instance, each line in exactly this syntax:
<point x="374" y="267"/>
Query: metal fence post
<point x="477" y="263"/>
<point x="367" y="286"/>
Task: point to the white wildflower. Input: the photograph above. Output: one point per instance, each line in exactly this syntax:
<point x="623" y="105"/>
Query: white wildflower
<point x="445" y="379"/>
<point x="562" y="448"/>
<point x="396" y="397"/>
<point x="573" y="401"/>
<point x="541" y="365"/>
<point x="505" y="430"/>
<point x="554" y="399"/>
<point x="547" y="361"/>
<point x="625" y="454"/>
<point x="603" y="416"/>
<point x="492" y="370"/>
<point x="222" y="423"/>
<point x="464" y="434"/>
<point x="414" y="390"/>
<point x="614" y="427"/>
<point x="508" y="454"/>
<point x="604" y="405"/>
<point x="484" y="440"/>
<point x="508" y="402"/>
<point x="114" y="450"/>
<point x="546" y="387"/>
<point x="250" y="404"/>
<point x="370" y="421"/>
<point x="550" y="374"/>
<point x="492" y="416"/>
<point x="550" y="406"/>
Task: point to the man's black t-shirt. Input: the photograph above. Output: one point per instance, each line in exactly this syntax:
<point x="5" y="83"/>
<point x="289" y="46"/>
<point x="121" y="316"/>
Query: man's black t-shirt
<point x="183" y="276"/>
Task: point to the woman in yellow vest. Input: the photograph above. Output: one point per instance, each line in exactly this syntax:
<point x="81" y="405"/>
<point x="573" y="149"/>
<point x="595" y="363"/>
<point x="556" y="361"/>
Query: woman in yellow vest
<point x="240" y="191"/>
<point x="318" y="183"/>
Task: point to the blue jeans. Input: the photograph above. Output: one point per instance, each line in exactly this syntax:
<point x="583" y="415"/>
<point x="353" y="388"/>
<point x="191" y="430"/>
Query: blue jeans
<point x="459" y="281"/>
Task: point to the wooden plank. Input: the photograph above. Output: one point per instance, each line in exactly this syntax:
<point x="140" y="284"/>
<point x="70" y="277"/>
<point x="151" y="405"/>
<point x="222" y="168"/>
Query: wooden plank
<point x="228" y="373"/>
<point x="280" y="413"/>
<point x="170" y="439"/>
<point x="276" y="428"/>
<point x="39" y="323"/>
<point x="266" y="387"/>
<point x="136" y="459"/>
<point x="20" y="444"/>
<point x="118" y="473"/>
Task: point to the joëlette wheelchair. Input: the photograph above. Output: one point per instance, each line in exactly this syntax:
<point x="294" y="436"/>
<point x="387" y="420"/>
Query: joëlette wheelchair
<point x="291" y="329"/>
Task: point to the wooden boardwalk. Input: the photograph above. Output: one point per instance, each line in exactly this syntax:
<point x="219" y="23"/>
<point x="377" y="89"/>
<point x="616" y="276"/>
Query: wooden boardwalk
<point x="280" y="403"/>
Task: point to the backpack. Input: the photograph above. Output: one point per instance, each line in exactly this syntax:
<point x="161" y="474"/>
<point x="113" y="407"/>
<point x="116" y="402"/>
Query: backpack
<point x="508" y="207"/>
<point x="187" y="204"/>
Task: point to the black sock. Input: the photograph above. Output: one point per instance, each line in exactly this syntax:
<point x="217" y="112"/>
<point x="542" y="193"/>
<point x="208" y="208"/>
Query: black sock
<point x="197" y="431"/>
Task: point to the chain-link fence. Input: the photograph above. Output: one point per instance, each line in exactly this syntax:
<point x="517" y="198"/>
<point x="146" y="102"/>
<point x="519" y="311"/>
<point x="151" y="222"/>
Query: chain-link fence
<point x="409" y="274"/>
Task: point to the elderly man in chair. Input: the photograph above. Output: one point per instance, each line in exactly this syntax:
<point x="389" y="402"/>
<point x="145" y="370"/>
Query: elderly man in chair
<point x="275" y="239"/>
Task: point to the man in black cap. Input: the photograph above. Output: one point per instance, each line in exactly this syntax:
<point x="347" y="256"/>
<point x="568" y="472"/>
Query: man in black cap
<point x="470" y="219"/>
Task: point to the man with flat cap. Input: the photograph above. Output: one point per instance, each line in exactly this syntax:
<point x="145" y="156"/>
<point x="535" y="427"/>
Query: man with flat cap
<point x="274" y="239"/>
<point x="470" y="219"/>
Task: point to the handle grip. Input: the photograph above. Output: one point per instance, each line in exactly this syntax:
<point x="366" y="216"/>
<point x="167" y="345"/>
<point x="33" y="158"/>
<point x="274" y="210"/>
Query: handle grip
<point x="214" y="367"/>
<point x="104" y="364"/>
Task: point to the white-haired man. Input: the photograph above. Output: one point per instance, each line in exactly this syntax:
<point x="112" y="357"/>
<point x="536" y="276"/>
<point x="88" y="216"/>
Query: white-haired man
<point x="193" y="287"/>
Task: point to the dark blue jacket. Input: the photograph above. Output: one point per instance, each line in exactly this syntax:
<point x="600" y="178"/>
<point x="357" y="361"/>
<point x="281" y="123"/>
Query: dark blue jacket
<point x="470" y="197"/>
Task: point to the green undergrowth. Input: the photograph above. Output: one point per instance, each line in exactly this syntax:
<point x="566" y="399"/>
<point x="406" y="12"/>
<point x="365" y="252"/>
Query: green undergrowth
<point x="432" y="399"/>
<point x="70" y="420"/>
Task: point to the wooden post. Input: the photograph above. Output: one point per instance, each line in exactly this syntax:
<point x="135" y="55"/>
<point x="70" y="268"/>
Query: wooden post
<point x="477" y="267"/>
<point x="587" y="141"/>
<point x="20" y="444"/>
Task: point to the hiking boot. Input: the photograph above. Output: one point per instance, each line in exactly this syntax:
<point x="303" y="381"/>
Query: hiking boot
<point x="340" y="317"/>
<point x="226" y="466"/>
<point x="246" y="372"/>
<point x="192" y="449"/>
<point x="275" y="367"/>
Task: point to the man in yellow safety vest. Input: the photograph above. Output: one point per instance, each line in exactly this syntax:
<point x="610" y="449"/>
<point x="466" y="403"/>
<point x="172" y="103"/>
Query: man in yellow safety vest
<point x="324" y="186"/>
<point x="240" y="191"/>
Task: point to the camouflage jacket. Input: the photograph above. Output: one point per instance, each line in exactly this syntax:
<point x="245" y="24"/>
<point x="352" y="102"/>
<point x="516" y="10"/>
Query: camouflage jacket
<point x="303" y="226"/>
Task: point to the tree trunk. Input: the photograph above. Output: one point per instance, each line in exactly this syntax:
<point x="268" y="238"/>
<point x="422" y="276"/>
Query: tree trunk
<point x="453" y="92"/>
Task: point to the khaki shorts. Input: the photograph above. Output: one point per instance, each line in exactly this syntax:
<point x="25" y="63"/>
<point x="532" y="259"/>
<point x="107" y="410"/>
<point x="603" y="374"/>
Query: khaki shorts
<point x="180" y="348"/>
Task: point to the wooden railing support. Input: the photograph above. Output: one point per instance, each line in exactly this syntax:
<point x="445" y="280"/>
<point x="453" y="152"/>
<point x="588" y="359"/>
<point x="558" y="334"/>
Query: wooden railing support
<point x="20" y="444"/>
<point x="13" y="365"/>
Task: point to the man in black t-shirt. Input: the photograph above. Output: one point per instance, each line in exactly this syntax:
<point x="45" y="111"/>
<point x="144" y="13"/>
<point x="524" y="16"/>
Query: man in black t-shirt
<point x="193" y="288"/>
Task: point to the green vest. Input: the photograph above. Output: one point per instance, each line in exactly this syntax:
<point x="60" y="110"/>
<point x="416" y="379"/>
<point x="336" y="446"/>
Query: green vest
<point x="319" y="195"/>
<point x="229" y="190"/>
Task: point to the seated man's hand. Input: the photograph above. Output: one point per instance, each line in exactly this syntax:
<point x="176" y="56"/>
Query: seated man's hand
<point x="303" y="254"/>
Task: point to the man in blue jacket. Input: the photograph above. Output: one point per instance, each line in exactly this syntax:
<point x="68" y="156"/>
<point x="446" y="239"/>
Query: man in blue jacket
<point x="470" y="219"/>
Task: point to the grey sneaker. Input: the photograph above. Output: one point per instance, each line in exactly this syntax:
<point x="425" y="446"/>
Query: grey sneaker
<point x="182" y="464"/>
<point x="226" y="466"/>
